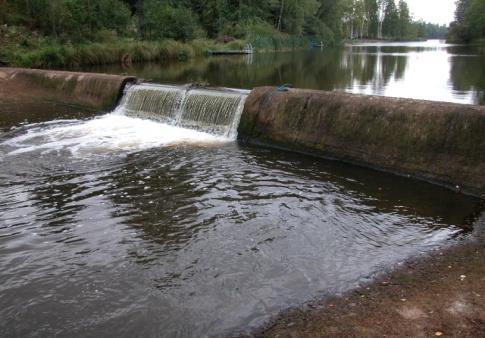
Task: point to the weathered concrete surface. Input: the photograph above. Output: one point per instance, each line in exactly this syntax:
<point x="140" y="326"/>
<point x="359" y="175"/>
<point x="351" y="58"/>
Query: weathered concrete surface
<point x="87" y="90"/>
<point x="439" y="142"/>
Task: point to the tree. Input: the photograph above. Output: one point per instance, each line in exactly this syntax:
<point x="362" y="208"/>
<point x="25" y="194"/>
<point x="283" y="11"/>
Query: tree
<point x="475" y="19"/>
<point x="360" y="18"/>
<point x="404" y="20"/>
<point x="140" y="13"/>
<point x="165" y="21"/>
<point x="469" y="21"/>
<point x="372" y="15"/>
<point x="390" y="24"/>
<point x="326" y="20"/>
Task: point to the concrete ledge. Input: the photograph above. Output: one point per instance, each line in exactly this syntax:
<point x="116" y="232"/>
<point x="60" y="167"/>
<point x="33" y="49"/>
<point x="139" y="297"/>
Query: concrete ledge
<point x="87" y="90"/>
<point x="439" y="142"/>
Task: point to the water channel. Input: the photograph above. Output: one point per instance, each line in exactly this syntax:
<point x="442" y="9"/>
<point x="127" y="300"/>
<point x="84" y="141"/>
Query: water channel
<point x="124" y="224"/>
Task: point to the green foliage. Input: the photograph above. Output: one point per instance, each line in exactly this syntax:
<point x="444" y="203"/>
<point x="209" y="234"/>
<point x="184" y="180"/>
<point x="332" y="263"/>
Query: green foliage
<point x="391" y="22"/>
<point x="164" y="21"/>
<point x="404" y="18"/>
<point x="68" y="20"/>
<point x="372" y="14"/>
<point x="79" y="21"/>
<point x="321" y="32"/>
<point x="52" y="33"/>
<point x="280" y="42"/>
<point x="377" y="19"/>
<point x="469" y="21"/>
<point x="435" y="31"/>
<point x="55" y="55"/>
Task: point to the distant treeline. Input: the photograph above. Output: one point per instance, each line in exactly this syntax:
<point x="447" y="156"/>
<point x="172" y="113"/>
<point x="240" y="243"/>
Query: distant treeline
<point x="331" y="21"/>
<point x="469" y="21"/>
<point x="70" y="33"/>
<point x="434" y="31"/>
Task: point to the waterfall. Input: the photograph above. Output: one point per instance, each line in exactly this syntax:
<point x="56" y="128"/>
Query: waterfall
<point x="214" y="111"/>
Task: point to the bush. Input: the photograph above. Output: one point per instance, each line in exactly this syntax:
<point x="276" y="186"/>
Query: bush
<point x="166" y="22"/>
<point x="54" y="55"/>
<point x="106" y="35"/>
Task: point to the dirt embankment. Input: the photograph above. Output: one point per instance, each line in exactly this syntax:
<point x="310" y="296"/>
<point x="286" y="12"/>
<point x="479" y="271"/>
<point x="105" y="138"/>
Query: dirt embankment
<point x="440" y="295"/>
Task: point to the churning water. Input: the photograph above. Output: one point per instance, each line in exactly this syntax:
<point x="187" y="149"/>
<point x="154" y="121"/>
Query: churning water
<point x="111" y="133"/>
<point x="117" y="225"/>
<point x="164" y="115"/>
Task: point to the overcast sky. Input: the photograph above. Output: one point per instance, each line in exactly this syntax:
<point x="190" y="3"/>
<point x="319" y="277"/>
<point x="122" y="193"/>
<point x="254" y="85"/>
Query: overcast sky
<point x="435" y="11"/>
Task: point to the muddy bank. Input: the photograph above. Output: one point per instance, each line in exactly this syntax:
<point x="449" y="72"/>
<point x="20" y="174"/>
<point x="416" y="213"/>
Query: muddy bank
<point x="30" y="87"/>
<point x="440" y="295"/>
<point x="439" y="142"/>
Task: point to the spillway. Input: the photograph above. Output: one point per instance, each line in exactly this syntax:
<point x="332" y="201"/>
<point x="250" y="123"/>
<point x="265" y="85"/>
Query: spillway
<point x="214" y="111"/>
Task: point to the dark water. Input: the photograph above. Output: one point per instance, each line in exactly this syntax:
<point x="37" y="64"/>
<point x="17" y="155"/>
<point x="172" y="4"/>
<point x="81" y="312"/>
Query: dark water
<point x="115" y="226"/>
<point x="429" y="70"/>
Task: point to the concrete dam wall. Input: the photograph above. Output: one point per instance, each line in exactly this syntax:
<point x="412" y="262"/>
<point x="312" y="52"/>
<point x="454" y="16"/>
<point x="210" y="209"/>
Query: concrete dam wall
<point x="88" y="91"/>
<point x="443" y="143"/>
<point x="439" y="142"/>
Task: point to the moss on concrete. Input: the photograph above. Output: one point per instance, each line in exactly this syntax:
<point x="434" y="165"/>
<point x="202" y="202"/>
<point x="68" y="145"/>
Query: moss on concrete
<point x="93" y="91"/>
<point x="436" y="141"/>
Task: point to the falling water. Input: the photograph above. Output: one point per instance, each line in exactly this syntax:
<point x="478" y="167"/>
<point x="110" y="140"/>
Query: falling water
<point x="160" y="103"/>
<point x="215" y="111"/>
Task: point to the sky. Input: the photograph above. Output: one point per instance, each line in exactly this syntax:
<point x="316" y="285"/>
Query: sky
<point x="434" y="11"/>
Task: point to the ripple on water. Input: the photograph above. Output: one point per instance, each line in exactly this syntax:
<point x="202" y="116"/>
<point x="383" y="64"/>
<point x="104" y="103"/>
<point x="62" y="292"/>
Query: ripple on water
<point x="121" y="225"/>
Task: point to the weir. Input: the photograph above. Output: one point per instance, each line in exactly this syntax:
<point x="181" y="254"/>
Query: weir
<point x="214" y="111"/>
<point x="439" y="142"/>
<point x="443" y="143"/>
<point x="46" y="89"/>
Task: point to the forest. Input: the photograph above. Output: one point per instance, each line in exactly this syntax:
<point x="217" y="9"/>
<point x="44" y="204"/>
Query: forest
<point x="332" y="20"/>
<point x="62" y="32"/>
<point x="469" y="21"/>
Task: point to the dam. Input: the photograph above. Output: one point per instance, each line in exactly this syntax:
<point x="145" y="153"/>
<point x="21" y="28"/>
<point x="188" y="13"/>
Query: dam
<point x="201" y="207"/>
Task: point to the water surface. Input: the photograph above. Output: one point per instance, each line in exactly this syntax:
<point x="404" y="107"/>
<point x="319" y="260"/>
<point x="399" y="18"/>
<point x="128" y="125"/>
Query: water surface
<point x="431" y="70"/>
<point x="115" y="225"/>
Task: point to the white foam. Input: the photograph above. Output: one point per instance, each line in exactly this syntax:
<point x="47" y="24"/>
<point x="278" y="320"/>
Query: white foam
<point x="106" y="134"/>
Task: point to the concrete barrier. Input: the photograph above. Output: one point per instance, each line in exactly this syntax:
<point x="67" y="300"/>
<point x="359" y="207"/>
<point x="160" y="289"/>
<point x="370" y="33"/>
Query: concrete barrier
<point x="439" y="142"/>
<point x="87" y="90"/>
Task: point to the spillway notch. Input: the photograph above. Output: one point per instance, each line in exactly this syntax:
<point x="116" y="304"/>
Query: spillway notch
<point x="212" y="110"/>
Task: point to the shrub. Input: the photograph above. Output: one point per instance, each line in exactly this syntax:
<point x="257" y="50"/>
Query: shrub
<point x="163" y="21"/>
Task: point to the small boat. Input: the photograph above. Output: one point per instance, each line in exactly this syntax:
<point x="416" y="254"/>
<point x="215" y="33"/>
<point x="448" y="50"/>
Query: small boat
<point x="317" y="45"/>
<point x="248" y="49"/>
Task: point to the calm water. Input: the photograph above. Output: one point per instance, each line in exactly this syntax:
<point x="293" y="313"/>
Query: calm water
<point x="117" y="226"/>
<point x="429" y="70"/>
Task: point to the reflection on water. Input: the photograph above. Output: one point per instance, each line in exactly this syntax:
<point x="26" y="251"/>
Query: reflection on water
<point x="425" y="70"/>
<point x="107" y="229"/>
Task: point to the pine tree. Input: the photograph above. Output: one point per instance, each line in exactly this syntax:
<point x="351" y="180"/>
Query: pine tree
<point x="390" y="24"/>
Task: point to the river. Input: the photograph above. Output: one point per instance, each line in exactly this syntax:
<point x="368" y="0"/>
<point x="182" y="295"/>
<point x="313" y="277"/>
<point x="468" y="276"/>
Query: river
<point x="117" y="225"/>
<point x="431" y="70"/>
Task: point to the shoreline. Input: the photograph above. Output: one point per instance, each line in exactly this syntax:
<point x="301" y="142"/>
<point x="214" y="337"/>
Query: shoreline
<point x="361" y="41"/>
<point x="53" y="55"/>
<point x="441" y="293"/>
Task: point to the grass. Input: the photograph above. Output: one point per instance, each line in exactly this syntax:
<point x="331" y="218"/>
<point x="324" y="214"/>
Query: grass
<point x="24" y="49"/>
<point x="53" y="55"/>
<point x="279" y="42"/>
